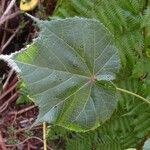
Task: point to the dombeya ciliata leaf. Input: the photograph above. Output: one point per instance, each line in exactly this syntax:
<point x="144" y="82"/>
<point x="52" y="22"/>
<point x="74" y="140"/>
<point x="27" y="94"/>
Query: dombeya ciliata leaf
<point x="63" y="70"/>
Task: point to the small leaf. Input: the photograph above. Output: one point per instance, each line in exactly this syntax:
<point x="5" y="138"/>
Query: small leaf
<point x="63" y="69"/>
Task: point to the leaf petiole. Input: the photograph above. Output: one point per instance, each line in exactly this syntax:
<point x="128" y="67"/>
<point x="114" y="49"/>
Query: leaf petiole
<point x="131" y="93"/>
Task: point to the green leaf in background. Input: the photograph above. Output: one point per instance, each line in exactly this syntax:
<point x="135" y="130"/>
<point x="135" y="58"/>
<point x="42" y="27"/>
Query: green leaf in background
<point x="64" y="68"/>
<point x="24" y="94"/>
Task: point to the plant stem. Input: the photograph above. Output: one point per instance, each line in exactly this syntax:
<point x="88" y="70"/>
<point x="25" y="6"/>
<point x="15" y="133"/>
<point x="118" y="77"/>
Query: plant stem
<point x="8" y="91"/>
<point x="136" y="95"/>
<point x="11" y="99"/>
<point x="44" y="135"/>
<point x="11" y="4"/>
<point x="8" y="78"/>
<point x="9" y="40"/>
<point x="8" y="17"/>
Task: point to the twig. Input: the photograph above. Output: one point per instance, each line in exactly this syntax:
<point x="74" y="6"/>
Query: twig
<point x="9" y="17"/>
<point x="4" y="35"/>
<point x="3" y="6"/>
<point x="11" y="4"/>
<point x="9" y="40"/>
<point x="26" y="109"/>
<point x="8" y="30"/>
<point x="12" y="98"/>
<point x="15" y="79"/>
<point x="11" y="145"/>
<point x="8" y="78"/>
<point x="28" y="128"/>
<point x="2" y="144"/>
<point x="8" y="91"/>
<point x="3" y="107"/>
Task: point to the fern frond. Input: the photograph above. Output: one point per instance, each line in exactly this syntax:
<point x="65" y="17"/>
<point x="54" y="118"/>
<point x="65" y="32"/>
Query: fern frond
<point x="122" y="18"/>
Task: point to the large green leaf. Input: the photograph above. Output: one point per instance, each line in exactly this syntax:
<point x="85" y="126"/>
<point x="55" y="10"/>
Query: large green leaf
<point x="65" y="69"/>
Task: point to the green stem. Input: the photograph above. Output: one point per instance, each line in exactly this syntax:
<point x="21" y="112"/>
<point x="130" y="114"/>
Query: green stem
<point x="136" y="95"/>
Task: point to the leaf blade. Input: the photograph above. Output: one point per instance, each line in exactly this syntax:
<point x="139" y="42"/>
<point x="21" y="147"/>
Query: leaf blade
<point x="58" y="71"/>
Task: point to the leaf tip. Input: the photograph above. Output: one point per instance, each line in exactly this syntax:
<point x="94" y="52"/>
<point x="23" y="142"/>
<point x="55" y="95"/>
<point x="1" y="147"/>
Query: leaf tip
<point x="33" y="18"/>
